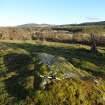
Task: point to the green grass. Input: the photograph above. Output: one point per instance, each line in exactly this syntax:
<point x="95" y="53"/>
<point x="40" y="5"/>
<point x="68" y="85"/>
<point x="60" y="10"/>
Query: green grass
<point x="16" y="75"/>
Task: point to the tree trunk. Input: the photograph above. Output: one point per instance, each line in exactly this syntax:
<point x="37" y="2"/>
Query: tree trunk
<point x="93" y="44"/>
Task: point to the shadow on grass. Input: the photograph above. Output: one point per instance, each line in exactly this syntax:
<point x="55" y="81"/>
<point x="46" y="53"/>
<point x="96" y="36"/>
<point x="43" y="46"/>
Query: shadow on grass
<point x="15" y="84"/>
<point x="81" y="54"/>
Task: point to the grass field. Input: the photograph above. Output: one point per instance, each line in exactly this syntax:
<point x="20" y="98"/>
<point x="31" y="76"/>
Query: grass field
<point x="16" y="74"/>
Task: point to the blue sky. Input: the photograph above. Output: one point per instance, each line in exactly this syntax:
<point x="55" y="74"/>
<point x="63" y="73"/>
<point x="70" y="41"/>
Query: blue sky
<point x="15" y="12"/>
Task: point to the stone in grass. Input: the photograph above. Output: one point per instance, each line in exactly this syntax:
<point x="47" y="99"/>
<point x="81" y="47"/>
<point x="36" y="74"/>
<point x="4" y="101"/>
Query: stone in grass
<point x="50" y="67"/>
<point x="46" y="59"/>
<point x="53" y="64"/>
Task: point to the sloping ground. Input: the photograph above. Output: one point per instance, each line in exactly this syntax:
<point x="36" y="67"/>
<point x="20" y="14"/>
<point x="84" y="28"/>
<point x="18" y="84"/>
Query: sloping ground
<point x="51" y="74"/>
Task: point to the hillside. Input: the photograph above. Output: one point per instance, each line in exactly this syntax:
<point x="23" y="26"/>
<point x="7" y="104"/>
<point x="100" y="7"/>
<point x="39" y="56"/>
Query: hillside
<point x="100" y="23"/>
<point x="50" y="73"/>
<point x="78" y="33"/>
<point x="32" y="25"/>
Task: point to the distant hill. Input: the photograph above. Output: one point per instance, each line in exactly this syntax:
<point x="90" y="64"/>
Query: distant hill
<point x="100" y="23"/>
<point x="58" y="33"/>
<point x="35" y="25"/>
<point x="93" y="23"/>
